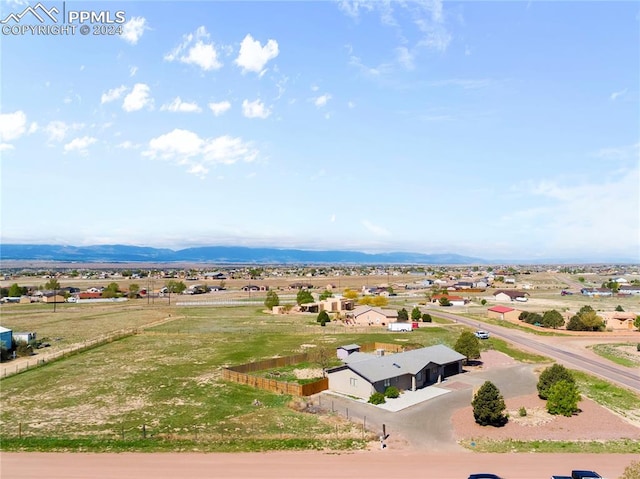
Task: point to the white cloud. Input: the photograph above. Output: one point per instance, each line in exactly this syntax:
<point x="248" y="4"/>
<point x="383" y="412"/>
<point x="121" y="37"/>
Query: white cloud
<point x="616" y="94"/>
<point x="133" y="29"/>
<point x="321" y="100"/>
<point x="621" y="153"/>
<point x="33" y="127"/>
<point x="255" y="109"/>
<point x="351" y="104"/>
<point x="405" y="58"/>
<point x="12" y="125"/>
<point x="352" y="8"/>
<point x="253" y="57"/>
<point x="220" y="107"/>
<point x="375" y="229"/>
<point x="128" y="145"/>
<point x="57" y="130"/>
<point x="195" y="51"/>
<point x="177" y="105"/>
<point x="80" y="144"/>
<point x="583" y="218"/>
<point x="113" y="94"/>
<point x="186" y="148"/>
<point x="138" y="99"/>
<point x="6" y="147"/>
<point x="133" y="70"/>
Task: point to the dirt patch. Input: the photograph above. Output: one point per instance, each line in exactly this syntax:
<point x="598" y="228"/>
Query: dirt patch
<point x="308" y="373"/>
<point x="593" y="423"/>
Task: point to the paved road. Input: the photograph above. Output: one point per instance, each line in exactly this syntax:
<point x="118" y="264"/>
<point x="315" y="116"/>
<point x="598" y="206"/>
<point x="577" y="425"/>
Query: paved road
<point x="543" y="345"/>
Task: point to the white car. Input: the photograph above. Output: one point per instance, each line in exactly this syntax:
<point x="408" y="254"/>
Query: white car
<point x="482" y="334"/>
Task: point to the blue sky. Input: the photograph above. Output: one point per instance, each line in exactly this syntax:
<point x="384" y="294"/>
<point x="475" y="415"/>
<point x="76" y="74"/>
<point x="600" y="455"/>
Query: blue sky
<point x="495" y="129"/>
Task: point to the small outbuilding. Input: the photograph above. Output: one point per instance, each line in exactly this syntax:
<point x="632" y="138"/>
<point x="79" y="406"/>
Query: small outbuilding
<point x="503" y="313"/>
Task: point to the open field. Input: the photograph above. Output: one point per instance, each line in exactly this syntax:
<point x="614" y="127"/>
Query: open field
<point x="625" y="354"/>
<point x="167" y="378"/>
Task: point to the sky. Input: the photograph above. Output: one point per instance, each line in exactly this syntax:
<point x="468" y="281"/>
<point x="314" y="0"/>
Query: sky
<point x="491" y="129"/>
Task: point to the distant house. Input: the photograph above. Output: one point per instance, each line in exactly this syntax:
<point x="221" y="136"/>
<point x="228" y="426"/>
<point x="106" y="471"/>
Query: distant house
<point x="510" y="295"/>
<point x="89" y="295"/>
<point x="52" y="298"/>
<point x="300" y="285"/>
<point x="503" y="313"/>
<point x="619" y="320"/>
<point x="632" y="289"/>
<point x="363" y="374"/>
<point x="370" y="315"/>
<point x="592" y="292"/>
<point x="454" y="300"/>
<point x="253" y="287"/>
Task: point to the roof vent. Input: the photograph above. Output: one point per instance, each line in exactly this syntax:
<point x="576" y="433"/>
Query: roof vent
<point x="396" y="365"/>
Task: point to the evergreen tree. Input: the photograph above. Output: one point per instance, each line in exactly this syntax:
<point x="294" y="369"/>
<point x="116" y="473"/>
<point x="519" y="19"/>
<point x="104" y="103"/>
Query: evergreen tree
<point x="563" y="398"/>
<point x="403" y="315"/>
<point x="550" y="376"/>
<point x="488" y="406"/>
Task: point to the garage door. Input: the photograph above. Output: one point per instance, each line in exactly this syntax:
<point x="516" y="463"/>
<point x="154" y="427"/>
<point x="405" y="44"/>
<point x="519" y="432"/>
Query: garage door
<point x="450" y="369"/>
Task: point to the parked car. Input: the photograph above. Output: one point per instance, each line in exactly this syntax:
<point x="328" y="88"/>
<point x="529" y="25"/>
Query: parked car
<point x="560" y="477"/>
<point x="484" y="475"/>
<point x="580" y="474"/>
<point x="482" y="334"/>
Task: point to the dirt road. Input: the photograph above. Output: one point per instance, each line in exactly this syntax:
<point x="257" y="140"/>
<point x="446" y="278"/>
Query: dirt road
<point x="301" y="465"/>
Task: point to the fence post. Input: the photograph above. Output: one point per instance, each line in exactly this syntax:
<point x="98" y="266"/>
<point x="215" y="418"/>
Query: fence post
<point x="20" y="430"/>
<point x="144" y="431"/>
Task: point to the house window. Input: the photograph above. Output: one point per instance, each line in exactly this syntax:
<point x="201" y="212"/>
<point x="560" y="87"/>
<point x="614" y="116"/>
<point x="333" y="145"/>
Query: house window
<point x="419" y="378"/>
<point x="387" y="383"/>
<point x="352" y="381"/>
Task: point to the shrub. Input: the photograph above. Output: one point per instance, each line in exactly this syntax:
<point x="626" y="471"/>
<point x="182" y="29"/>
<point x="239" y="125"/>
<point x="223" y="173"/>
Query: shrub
<point x="522" y="412"/>
<point x="272" y="299"/>
<point x="563" y="398"/>
<point x="550" y="376"/>
<point x="632" y="471"/>
<point x="391" y="392"/>
<point x="377" y="398"/>
<point x="488" y="406"/>
<point x="426" y="318"/>
<point x="483" y="302"/>
<point x="323" y="316"/>
<point x="638" y="347"/>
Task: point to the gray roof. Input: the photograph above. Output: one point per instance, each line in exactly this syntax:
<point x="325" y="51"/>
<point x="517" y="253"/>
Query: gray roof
<point x="410" y="362"/>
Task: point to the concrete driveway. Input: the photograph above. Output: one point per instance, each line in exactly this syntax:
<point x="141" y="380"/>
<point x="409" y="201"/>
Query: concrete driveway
<point x="426" y="424"/>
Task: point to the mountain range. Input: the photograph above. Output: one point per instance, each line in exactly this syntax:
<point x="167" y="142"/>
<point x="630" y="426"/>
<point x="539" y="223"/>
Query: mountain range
<point x="219" y="254"/>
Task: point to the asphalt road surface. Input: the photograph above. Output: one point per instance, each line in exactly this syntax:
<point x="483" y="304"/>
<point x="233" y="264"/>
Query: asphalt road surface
<point x="542" y="345"/>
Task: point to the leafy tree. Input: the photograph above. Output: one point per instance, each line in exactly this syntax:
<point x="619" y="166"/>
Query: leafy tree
<point x="612" y="285"/>
<point x="468" y="345"/>
<point x="272" y="299"/>
<point x="390" y="291"/>
<point x="488" y="406"/>
<point x="619" y="308"/>
<point x="323" y="316"/>
<point x="552" y="319"/>
<point x="592" y="321"/>
<point x="52" y="284"/>
<point x="379" y="301"/>
<point x="14" y="290"/>
<point x="563" y="398"/>
<point x="632" y="471"/>
<point x="403" y="315"/>
<point x="255" y="273"/>
<point x="377" y="398"/>
<point x="523" y="316"/>
<point x="111" y="291"/>
<point x="175" y="286"/>
<point x="581" y="279"/>
<point x="350" y="294"/>
<point x="416" y="314"/>
<point x="304" y="297"/>
<point x="134" y="289"/>
<point x="325" y="295"/>
<point x="426" y="318"/>
<point x="636" y="322"/>
<point x="550" y="376"/>
<point x="366" y="300"/>
<point x="483" y="302"/>
<point x="444" y="301"/>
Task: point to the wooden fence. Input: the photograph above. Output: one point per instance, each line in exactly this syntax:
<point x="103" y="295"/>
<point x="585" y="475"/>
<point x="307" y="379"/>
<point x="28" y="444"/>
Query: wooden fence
<point x="241" y="374"/>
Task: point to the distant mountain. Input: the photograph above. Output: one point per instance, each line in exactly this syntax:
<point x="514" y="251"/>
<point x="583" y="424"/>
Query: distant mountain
<point x="219" y="254"/>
